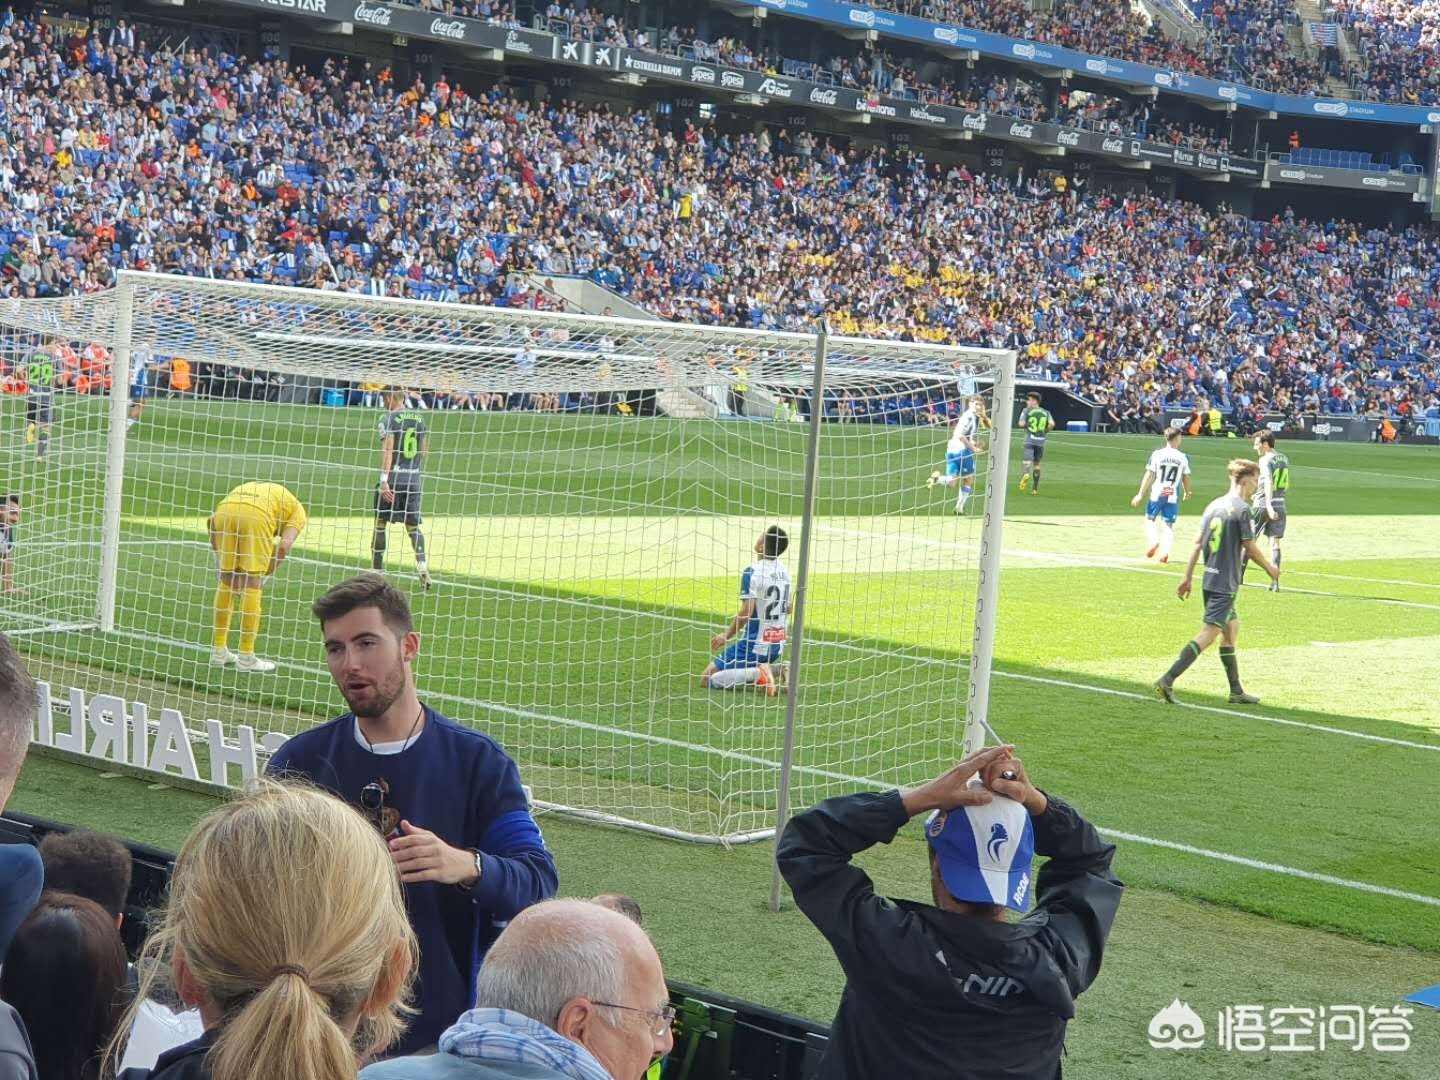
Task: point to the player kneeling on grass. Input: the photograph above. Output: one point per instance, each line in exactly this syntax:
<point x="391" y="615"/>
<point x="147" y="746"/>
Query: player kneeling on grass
<point x="243" y="533"/>
<point x="752" y="659"/>
<point x="1227" y="535"/>
<point x="1167" y="467"/>
<point x="956" y="989"/>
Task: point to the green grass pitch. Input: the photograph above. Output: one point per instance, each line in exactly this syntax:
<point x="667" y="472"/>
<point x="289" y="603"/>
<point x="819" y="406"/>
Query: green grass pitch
<point x="1274" y="851"/>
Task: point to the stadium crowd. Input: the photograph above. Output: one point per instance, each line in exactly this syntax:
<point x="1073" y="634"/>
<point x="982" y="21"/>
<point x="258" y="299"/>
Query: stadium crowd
<point x="199" y="163"/>
<point x="1400" y="48"/>
<point x="1244" y="41"/>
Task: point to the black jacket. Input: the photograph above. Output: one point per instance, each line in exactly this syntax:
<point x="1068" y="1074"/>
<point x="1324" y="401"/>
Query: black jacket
<point x="932" y="993"/>
<point x="184" y="1062"/>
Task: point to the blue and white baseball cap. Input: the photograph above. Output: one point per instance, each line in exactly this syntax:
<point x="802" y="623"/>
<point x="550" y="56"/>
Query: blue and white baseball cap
<point x="985" y="852"/>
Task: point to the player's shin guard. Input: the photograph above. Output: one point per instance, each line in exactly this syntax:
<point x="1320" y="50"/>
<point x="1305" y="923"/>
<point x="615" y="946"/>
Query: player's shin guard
<point x="249" y="621"/>
<point x="1188" y="655"/>
<point x="417" y="541"/>
<point x="42" y="447"/>
<point x="224" y="607"/>
<point x="377" y="548"/>
<point x="1232" y="668"/>
<point x="724" y="680"/>
<point x="1035" y="479"/>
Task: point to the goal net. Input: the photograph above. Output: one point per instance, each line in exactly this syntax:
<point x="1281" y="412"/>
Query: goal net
<point x="591" y="492"/>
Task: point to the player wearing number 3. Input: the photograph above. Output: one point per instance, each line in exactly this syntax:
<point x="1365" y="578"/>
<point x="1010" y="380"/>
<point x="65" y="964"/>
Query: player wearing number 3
<point x="1227" y="535"/>
<point x="752" y="659"/>
<point x="1168" y="469"/>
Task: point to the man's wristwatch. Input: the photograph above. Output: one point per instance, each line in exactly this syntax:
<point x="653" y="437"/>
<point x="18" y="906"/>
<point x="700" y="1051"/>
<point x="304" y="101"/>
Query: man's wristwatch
<point x="479" y="872"/>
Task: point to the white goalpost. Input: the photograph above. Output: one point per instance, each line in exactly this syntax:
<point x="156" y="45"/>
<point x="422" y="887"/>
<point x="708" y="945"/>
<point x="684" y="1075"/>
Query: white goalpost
<point x="587" y="520"/>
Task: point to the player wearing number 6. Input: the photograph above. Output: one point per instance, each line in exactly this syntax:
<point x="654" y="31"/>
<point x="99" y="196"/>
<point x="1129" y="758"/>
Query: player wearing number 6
<point x="753" y="658"/>
<point x="404" y="447"/>
<point x="244" y="531"/>
<point x="1227" y="535"/>
<point x="1169" y="471"/>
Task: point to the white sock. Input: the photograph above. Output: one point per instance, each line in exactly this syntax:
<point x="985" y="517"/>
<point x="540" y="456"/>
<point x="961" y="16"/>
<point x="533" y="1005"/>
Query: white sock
<point x="130" y="421"/>
<point x="724" y="680"/>
<point x="948" y="481"/>
<point x="1152" y="536"/>
<point x="963" y="498"/>
<point x="1167" y="538"/>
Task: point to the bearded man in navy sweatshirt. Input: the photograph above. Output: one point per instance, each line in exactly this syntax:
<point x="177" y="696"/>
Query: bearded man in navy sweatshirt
<point x="447" y="798"/>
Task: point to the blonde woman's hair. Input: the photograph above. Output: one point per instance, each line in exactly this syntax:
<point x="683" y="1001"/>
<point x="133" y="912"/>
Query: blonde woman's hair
<point x="286" y="907"/>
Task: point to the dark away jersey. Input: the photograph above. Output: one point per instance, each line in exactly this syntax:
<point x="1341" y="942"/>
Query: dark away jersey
<point x="40" y="377"/>
<point x="1036" y="423"/>
<point x="1275" y="471"/>
<point x="407" y="428"/>
<point x="1224" y="530"/>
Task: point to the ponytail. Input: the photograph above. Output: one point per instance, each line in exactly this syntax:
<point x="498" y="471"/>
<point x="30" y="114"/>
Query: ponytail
<point x="286" y="915"/>
<point x="287" y="1031"/>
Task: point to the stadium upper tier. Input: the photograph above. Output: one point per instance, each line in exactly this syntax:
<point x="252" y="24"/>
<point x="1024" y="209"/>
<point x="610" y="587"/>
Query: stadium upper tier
<point x="1242" y="42"/>
<point x="219" y="165"/>
<point x="1400" y="48"/>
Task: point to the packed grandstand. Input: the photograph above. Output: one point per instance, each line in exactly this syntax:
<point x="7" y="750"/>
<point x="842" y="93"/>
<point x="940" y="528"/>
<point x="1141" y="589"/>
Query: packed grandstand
<point x="251" y="168"/>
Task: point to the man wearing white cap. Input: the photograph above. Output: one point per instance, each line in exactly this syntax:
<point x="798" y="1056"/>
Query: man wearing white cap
<point x="956" y="990"/>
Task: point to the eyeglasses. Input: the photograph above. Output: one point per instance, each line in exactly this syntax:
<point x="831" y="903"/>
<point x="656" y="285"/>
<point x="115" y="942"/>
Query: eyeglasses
<point x="661" y="1019"/>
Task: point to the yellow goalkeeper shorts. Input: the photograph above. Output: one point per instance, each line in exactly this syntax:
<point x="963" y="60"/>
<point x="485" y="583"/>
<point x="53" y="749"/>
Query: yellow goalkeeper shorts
<point x="242" y="539"/>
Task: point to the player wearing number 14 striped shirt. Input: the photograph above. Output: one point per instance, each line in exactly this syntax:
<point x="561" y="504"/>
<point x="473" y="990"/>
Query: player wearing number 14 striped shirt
<point x="753" y="658"/>
<point x="1169" y="472"/>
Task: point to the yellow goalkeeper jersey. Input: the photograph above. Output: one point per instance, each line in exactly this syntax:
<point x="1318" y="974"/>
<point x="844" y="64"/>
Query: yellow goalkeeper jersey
<point x="273" y="504"/>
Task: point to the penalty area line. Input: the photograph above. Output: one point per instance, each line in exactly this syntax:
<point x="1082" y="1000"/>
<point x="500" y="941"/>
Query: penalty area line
<point x="959" y="661"/>
<point x="1271" y="868"/>
<point x="755" y="759"/>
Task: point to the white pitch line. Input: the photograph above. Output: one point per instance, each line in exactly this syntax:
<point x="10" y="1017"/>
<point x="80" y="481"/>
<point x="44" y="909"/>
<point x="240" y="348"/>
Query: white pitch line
<point x="1308" y="468"/>
<point x="1218" y="711"/>
<point x="1272" y="868"/>
<point x="1367" y="580"/>
<point x="1099" y="562"/>
<point x="959" y="661"/>
<point x="753" y="759"/>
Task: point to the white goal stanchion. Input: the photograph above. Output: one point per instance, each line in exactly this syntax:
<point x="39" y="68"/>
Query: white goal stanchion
<point x="584" y="546"/>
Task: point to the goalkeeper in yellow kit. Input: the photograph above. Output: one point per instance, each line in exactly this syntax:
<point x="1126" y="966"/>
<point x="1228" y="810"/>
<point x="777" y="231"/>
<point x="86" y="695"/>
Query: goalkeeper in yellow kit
<point x="251" y="531"/>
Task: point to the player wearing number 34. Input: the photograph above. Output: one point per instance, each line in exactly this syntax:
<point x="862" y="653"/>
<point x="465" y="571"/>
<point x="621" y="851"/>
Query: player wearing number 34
<point x="753" y="658"/>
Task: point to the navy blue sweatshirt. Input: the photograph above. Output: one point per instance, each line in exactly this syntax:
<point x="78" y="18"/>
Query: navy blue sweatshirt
<point x="463" y="787"/>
